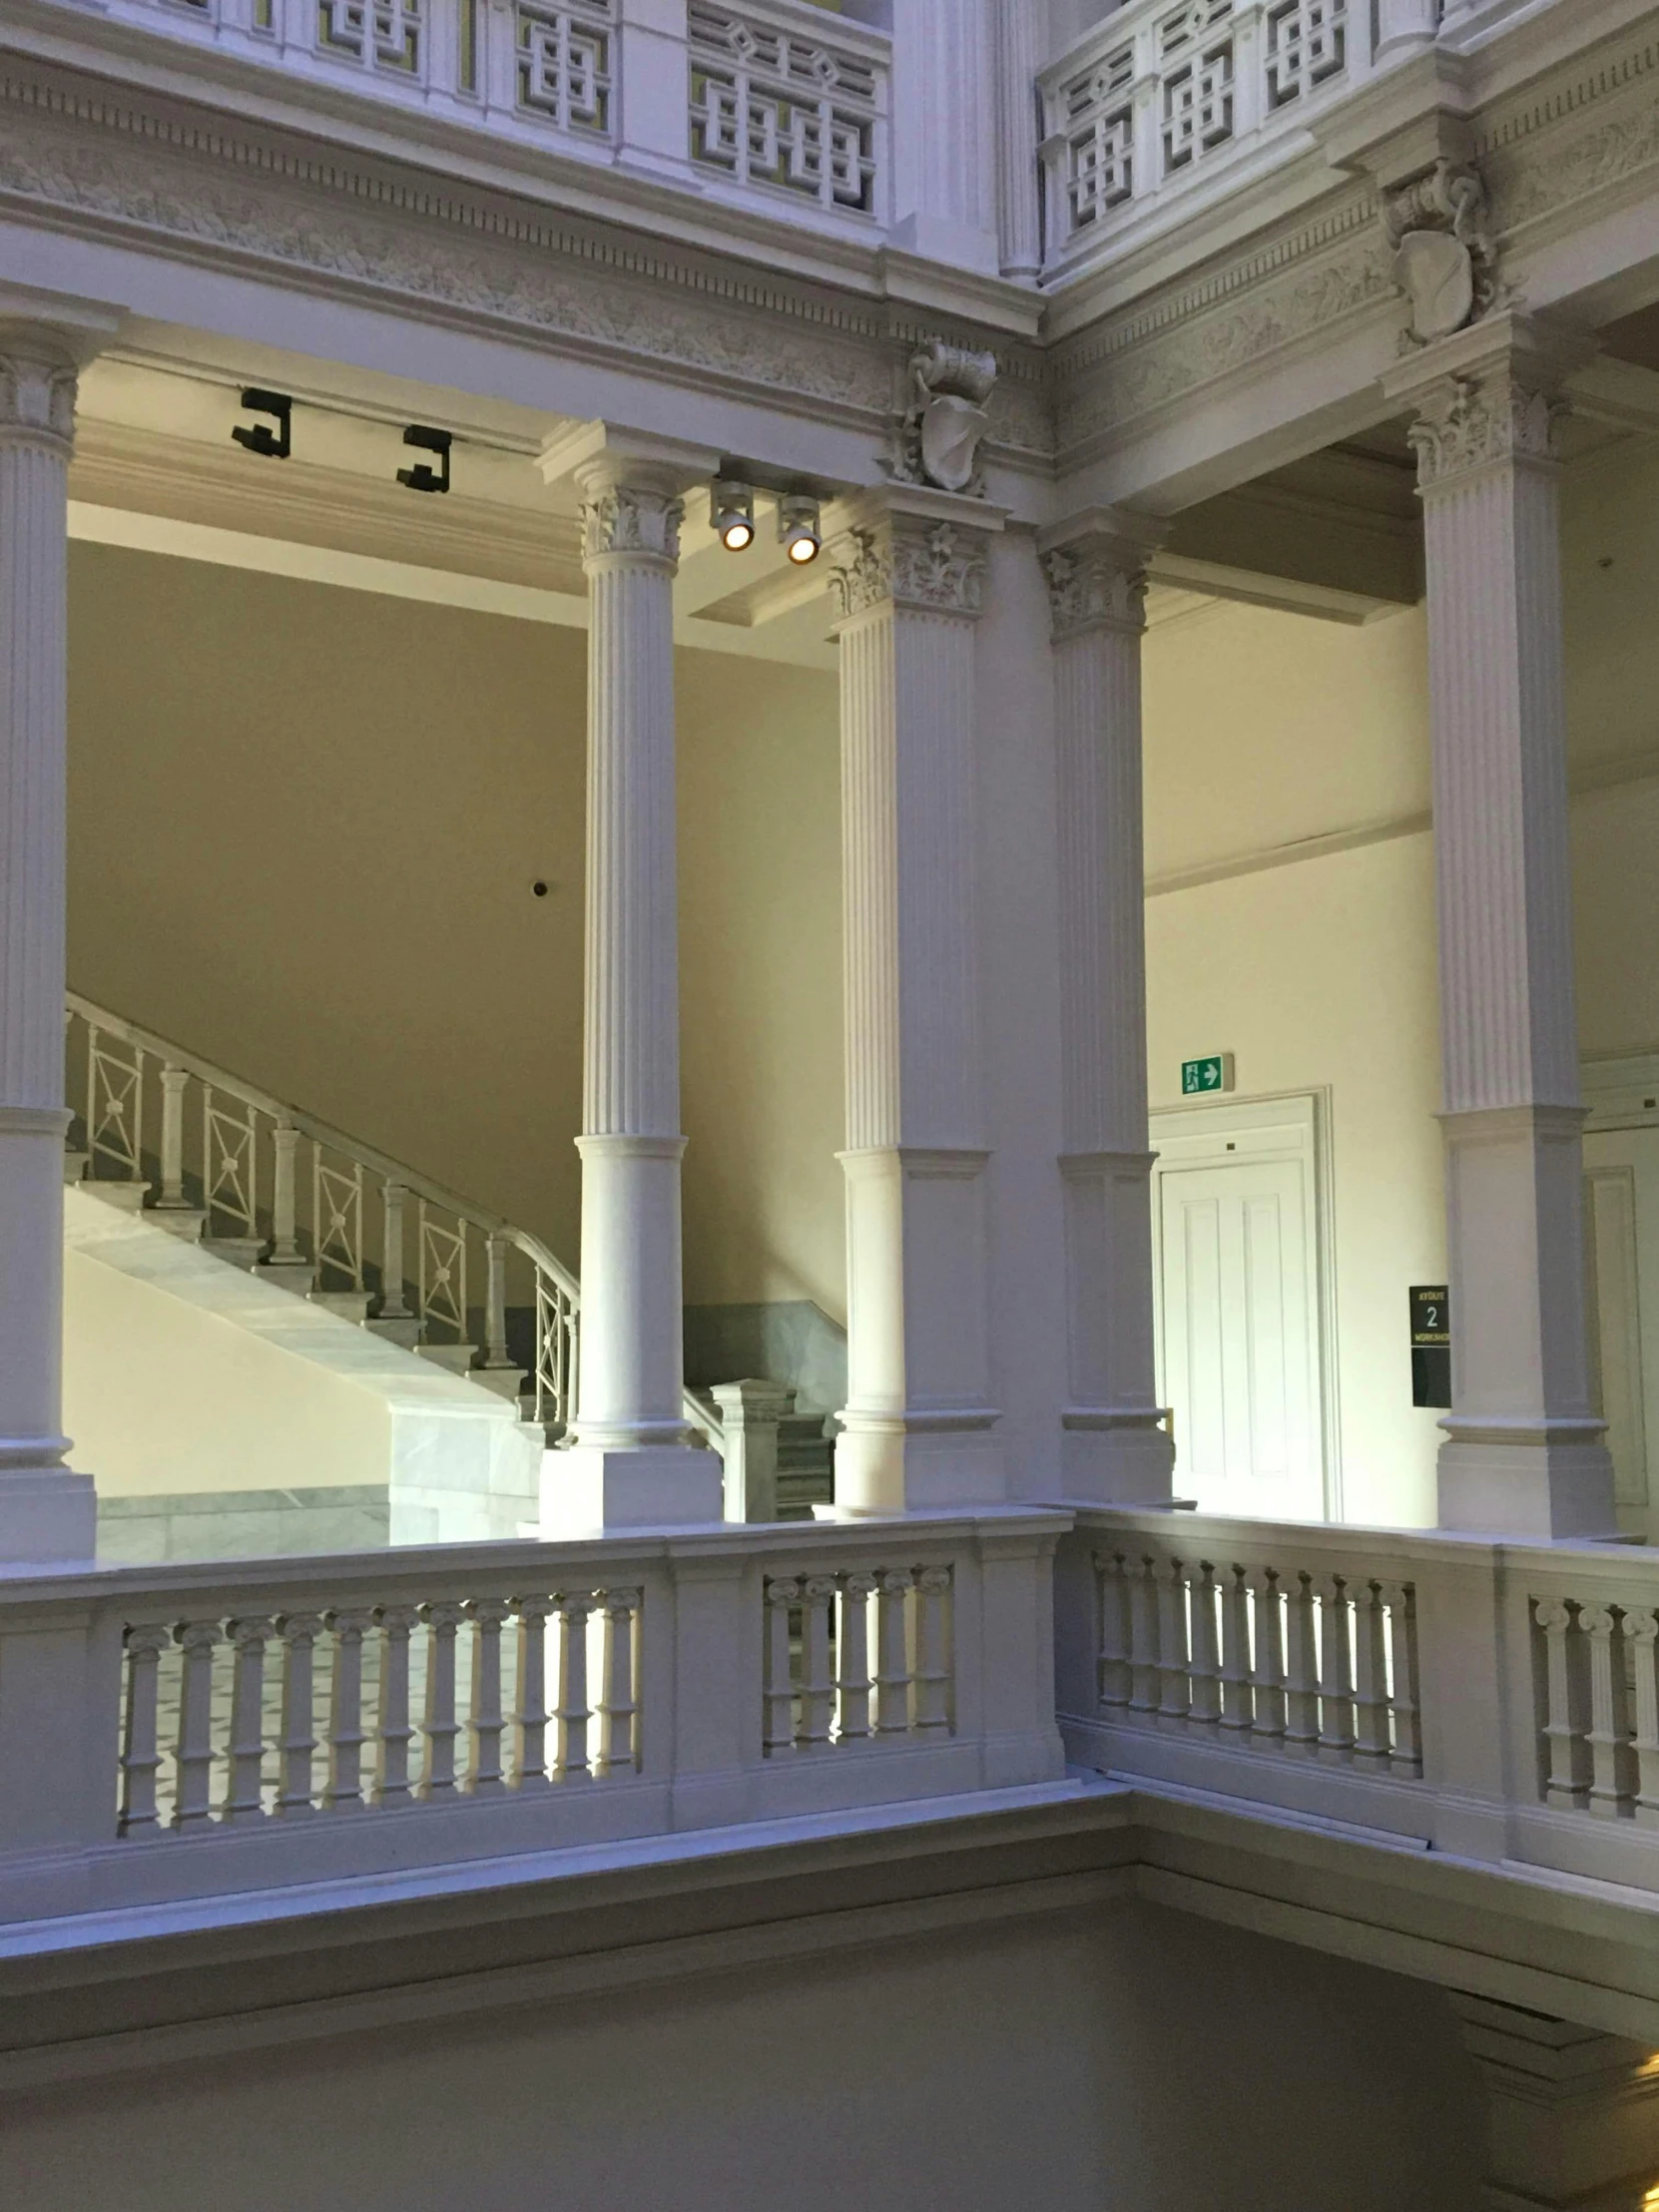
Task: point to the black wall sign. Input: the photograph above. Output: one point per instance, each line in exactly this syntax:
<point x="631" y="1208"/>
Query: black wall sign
<point x="1430" y="1346"/>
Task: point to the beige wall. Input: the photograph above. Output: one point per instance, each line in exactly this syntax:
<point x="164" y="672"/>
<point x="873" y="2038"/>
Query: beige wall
<point x="304" y="826"/>
<point x="760" y="982"/>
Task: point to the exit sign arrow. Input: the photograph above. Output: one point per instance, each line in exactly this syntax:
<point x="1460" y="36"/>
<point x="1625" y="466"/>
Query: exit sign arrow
<point x="1211" y="1073"/>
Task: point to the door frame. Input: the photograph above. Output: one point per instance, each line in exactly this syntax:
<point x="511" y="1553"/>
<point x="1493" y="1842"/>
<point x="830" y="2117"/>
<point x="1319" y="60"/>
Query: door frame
<point x="1204" y="1130"/>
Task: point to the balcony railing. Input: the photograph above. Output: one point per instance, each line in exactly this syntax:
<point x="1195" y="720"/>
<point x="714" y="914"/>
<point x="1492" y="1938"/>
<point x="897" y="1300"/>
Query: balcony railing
<point x="781" y="110"/>
<point x="1498" y="1701"/>
<point x="1167" y="92"/>
<point x="197" y="1731"/>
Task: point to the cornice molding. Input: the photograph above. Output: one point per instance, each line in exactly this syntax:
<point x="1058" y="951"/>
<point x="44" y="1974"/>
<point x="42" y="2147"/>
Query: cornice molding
<point x="133" y="164"/>
<point x="153" y="167"/>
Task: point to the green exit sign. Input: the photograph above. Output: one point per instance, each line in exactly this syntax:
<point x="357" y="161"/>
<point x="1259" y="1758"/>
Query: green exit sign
<point x="1213" y="1073"/>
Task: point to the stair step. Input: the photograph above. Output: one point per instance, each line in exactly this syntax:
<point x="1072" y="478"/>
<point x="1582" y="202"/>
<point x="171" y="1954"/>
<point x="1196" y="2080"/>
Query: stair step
<point x="507" y="1382"/>
<point x="350" y="1306"/>
<point x="236" y="1251"/>
<point x="397" y="1329"/>
<point x="184" y="1222"/>
<point x="128" y="1197"/>
<point x="75" y="1165"/>
<point x="457" y="1358"/>
<point x="298" y="1276"/>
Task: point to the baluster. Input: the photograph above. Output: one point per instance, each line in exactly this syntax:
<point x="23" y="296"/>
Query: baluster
<point x="1302" y="1681"/>
<point x="573" y="1711"/>
<point x="1401" y="1601"/>
<point x="818" y="1683"/>
<point x="1174" y="1676"/>
<point x="298" y="1747"/>
<point x="194" y="1758"/>
<point x="1143" y="1637"/>
<point x="1268" y="1674"/>
<point x="617" y="1706"/>
<point x="1206" y="1664"/>
<point x="488" y="1615"/>
<point x="244" y="1777"/>
<point x="1112" y="1681"/>
<point x="439" y="1726"/>
<point x="344" y="1792"/>
<point x="852" y="1677"/>
<point x="495" y="1301"/>
<point x="285" y="1248"/>
<point x="892" y="1654"/>
<point x="783" y="1594"/>
<point x="1370" y="1674"/>
<point x="1566" y="1782"/>
<point x="392" y="1306"/>
<point x="1337" y="1669"/>
<point x="392" y="1732"/>
<point x="1609" y="1731"/>
<point x="174" y="1081"/>
<point x="1641" y="1639"/>
<point x="530" y="1694"/>
<point x="934" y="1673"/>
<point x="141" y="1743"/>
<point x="1235" y="1650"/>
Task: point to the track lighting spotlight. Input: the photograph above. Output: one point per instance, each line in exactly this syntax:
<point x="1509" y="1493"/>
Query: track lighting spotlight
<point x="734" y="516"/>
<point x="797" y="527"/>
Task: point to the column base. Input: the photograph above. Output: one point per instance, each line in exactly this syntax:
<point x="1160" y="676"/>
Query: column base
<point x="47" y="1513"/>
<point x="1527" y="1484"/>
<point x="917" y="1463"/>
<point x="1116" y="1459"/>
<point x="589" y="1491"/>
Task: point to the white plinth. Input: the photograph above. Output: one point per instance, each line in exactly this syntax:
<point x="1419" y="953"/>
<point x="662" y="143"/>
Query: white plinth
<point x="588" y="1490"/>
<point x="47" y="1513"/>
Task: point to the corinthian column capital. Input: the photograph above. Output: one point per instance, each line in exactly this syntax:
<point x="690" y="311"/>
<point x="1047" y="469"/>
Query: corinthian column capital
<point x="45" y="342"/>
<point x="1096" y="567"/>
<point x="917" y="551"/>
<point x="632" y="486"/>
<point x="1490" y="397"/>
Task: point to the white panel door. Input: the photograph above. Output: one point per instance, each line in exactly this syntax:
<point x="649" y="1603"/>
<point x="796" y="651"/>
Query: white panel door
<point x="1239" y="1325"/>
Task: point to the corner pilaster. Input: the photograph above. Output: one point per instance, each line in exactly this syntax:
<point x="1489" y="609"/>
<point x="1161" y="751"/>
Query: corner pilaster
<point x="1116" y="1448"/>
<point x="1525" y="1452"/>
<point x="907" y="575"/>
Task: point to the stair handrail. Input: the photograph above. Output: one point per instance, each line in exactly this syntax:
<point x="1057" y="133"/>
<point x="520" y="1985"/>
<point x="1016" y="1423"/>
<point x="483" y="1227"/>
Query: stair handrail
<point x="323" y="1132"/>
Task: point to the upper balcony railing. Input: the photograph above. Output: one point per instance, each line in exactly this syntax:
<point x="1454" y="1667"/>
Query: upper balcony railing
<point x="1165" y="94"/>
<point x="784" y="106"/>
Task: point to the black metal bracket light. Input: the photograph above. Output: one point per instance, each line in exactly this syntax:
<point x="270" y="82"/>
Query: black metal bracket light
<point x="258" y="437"/>
<point x="422" y="477"/>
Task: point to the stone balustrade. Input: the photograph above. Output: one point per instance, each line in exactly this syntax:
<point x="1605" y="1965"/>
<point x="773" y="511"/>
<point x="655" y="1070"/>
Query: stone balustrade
<point x="227" y="1728"/>
<point x="1498" y="1701"/>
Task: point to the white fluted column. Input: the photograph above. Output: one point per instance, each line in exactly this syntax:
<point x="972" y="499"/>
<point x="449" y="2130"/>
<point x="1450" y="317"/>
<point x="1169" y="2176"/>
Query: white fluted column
<point x="944" y="132"/>
<point x="1524" y="1452"/>
<point x="1019" y="27"/>
<point x="631" y="1464"/>
<point x="1116" y="1448"/>
<point x="45" y="1511"/>
<point x="918" y="1430"/>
